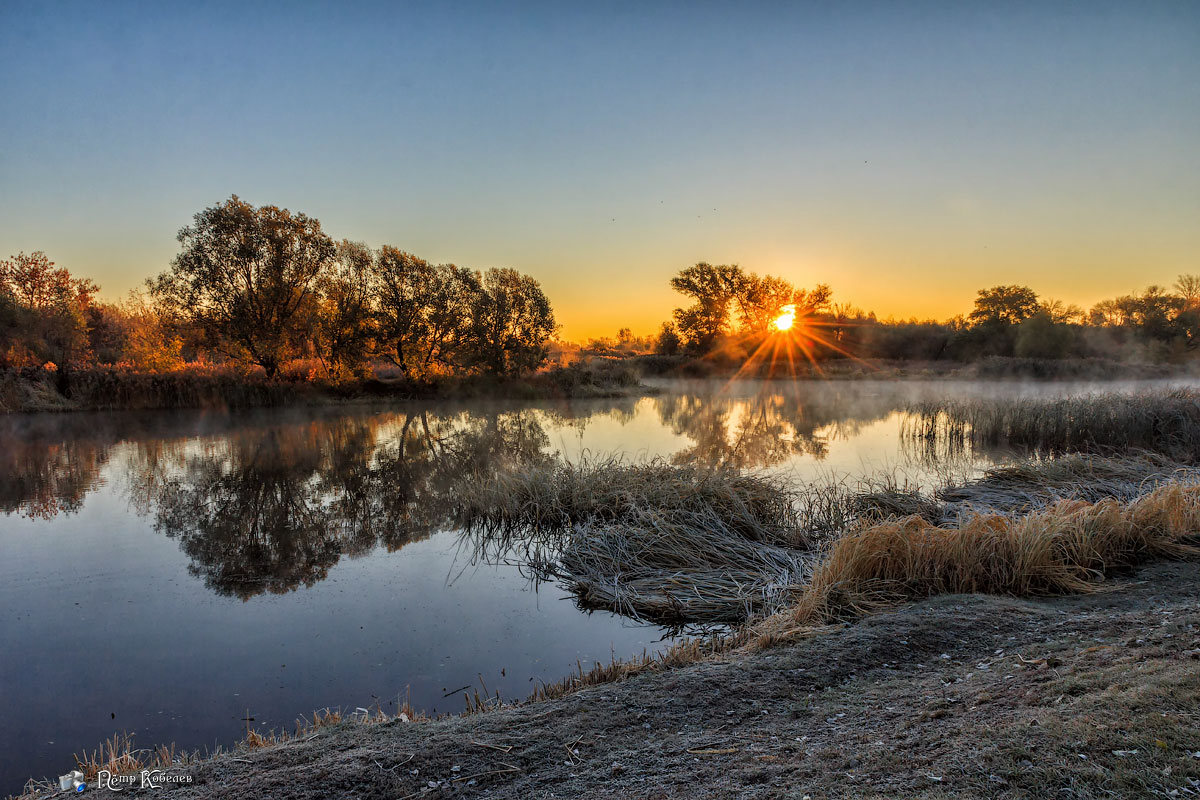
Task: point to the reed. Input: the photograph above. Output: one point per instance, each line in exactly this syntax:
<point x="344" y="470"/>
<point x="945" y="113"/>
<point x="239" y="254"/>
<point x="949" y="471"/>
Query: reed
<point x="1165" y="421"/>
<point x="117" y="755"/>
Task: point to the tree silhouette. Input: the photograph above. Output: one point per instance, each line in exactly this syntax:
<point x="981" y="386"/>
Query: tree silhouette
<point x="511" y="323"/>
<point x="1005" y="305"/>
<point x="713" y="288"/>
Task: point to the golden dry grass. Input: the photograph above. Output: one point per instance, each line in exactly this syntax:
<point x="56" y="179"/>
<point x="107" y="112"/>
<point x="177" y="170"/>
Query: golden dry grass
<point x="1066" y="547"/>
<point x="117" y="755"/>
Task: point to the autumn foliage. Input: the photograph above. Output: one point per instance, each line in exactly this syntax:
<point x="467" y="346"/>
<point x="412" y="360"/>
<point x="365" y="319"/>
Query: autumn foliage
<point x="265" y="289"/>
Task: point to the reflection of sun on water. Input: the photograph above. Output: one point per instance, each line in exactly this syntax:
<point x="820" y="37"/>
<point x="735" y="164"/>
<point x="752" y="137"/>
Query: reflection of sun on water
<point x="785" y="320"/>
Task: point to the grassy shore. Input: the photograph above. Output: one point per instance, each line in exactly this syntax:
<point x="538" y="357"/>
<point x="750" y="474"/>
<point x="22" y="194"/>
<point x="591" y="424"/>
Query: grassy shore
<point x="680" y="545"/>
<point x="194" y="386"/>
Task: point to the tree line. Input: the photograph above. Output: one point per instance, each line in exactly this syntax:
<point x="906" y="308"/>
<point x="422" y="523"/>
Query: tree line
<point x="262" y="286"/>
<point x="731" y="312"/>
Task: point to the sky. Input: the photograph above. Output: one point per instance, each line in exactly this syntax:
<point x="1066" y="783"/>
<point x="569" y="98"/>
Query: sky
<point x="907" y="154"/>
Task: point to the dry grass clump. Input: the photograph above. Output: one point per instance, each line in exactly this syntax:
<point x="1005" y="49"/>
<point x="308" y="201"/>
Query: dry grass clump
<point x="553" y="496"/>
<point x="674" y="544"/>
<point x="677" y="568"/>
<point x="890" y="502"/>
<point x="117" y="755"/>
<point x="1165" y="421"/>
<point x="1016" y="488"/>
<point x="1066" y="547"/>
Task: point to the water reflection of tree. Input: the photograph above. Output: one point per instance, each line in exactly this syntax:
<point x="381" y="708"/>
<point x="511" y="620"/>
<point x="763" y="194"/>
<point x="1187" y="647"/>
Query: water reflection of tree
<point x="273" y="509"/>
<point x="44" y="471"/>
<point x="270" y="501"/>
<point x="769" y="427"/>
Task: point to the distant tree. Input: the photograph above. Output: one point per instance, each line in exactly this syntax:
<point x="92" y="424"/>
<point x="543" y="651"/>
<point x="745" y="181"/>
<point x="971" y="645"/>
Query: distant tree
<point x="1004" y="304"/>
<point x="1060" y="313"/>
<point x="813" y="301"/>
<point x="13" y="351"/>
<point x="624" y="344"/>
<point x="48" y="309"/>
<point x="668" y="342"/>
<point x="1107" y="313"/>
<point x="1187" y="287"/>
<point x="401" y="280"/>
<point x="247" y="277"/>
<point x="1042" y="336"/>
<point x="1154" y="311"/>
<point x="600" y="344"/>
<point x="450" y="298"/>
<point x="152" y="341"/>
<point x="512" y="323"/>
<point x="107" y="333"/>
<point x="713" y="288"/>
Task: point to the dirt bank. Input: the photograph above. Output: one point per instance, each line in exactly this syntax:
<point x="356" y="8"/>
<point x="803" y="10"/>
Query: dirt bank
<point x="959" y="696"/>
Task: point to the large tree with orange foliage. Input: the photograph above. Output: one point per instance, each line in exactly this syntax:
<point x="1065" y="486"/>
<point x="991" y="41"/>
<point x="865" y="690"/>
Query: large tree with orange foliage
<point x="248" y="278"/>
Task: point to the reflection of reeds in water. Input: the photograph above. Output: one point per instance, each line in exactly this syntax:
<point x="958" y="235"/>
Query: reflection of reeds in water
<point x="1162" y="421"/>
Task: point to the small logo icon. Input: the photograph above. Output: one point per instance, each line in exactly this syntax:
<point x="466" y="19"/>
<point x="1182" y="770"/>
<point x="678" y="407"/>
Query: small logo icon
<point x="72" y="781"/>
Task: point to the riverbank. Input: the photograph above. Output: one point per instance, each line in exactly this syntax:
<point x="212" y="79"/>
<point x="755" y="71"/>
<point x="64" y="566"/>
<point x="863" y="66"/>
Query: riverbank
<point x="956" y="696"/>
<point x="203" y="387"/>
<point x="101" y="389"/>
<point x="849" y="369"/>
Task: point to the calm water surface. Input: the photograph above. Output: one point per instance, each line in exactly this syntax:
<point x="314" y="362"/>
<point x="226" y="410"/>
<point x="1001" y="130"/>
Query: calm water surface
<point x="169" y="574"/>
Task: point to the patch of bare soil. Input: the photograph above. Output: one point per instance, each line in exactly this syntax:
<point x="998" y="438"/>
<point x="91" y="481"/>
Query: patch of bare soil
<point x="959" y="696"/>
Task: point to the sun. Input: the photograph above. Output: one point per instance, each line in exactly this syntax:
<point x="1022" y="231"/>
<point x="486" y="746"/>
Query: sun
<point x="786" y="320"/>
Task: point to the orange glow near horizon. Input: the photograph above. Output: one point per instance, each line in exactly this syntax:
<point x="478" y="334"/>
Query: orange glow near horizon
<point x="792" y="342"/>
<point x="785" y="320"/>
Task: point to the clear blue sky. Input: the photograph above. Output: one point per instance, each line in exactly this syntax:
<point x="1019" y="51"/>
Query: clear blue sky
<point x="907" y="154"/>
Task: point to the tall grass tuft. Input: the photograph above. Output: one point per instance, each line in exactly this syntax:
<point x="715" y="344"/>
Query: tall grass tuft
<point x="117" y="755"/>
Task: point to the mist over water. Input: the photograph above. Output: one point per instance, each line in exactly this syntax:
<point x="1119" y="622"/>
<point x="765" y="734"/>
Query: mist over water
<point x="171" y="574"/>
